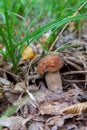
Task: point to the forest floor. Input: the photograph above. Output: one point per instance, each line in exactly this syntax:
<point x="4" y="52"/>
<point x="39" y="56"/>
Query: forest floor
<point x="26" y="102"/>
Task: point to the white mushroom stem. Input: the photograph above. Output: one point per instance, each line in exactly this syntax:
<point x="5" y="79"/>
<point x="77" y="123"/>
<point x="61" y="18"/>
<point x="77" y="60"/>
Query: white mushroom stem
<point x="53" y="80"/>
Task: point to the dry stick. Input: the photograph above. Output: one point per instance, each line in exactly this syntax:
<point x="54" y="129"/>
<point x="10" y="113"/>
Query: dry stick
<point x="68" y="44"/>
<point x="66" y="26"/>
<point x="85" y="68"/>
<point x="33" y="100"/>
<point x="63" y="45"/>
<point x="85" y="77"/>
<point x="14" y="75"/>
<point x="75" y="81"/>
<point x="27" y="74"/>
<point x="73" y="59"/>
<point x="34" y="77"/>
<point x="27" y="77"/>
<point x="75" y="72"/>
<point x="73" y="64"/>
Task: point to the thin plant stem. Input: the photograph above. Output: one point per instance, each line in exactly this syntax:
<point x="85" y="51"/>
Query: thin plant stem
<point x="58" y="37"/>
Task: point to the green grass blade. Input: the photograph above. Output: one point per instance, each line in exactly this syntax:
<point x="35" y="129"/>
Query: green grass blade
<point x="8" y="28"/>
<point x="3" y="53"/>
<point x="41" y="30"/>
<point x="3" y="38"/>
<point x="62" y="48"/>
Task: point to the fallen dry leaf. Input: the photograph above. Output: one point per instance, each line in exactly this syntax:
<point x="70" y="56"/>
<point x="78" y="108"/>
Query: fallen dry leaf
<point x="55" y="119"/>
<point x="20" y="87"/>
<point x="28" y="53"/>
<point x="76" y="108"/>
<point x="53" y="108"/>
<point x="59" y="120"/>
<point x="36" y="126"/>
<point x="4" y="81"/>
<point x="13" y="123"/>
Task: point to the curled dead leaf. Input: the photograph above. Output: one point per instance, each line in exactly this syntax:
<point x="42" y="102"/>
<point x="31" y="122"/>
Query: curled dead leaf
<point x="28" y="53"/>
<point x="76" y="109"/>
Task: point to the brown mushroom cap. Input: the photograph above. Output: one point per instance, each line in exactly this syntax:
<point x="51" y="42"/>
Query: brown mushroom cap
<point x="49" y="63"/>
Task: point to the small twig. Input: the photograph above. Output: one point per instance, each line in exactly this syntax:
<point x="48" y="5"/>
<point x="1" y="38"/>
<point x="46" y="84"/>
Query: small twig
<point x="75" y="72"/>
<point x="73" y="65"/>
<point x="72" y="44"/>
<point x="14" y="75"/>
<point x="75" y="86"/>
<point x="27" y="78"/>
<point x="58" y="37"/>
<point x="34" y="76"/>
<point x="73" y="59"/>
<point x="66" y="46"/>
<point x="77" y="11"/>
<point x="85" y="68"/>
<point x="75" y="81"/>
<point x="33" y="101"/>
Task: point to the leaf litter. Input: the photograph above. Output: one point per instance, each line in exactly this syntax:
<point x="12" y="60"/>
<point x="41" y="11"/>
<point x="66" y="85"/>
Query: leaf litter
<point x="38" y="108"/>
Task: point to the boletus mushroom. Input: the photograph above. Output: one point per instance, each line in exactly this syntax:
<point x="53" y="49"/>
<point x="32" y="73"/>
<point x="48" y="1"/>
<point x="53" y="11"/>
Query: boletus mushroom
<point x="49" y="67"/>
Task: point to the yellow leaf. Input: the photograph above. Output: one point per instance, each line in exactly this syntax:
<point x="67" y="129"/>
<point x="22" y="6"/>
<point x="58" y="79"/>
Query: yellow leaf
<point x="28" y="53"/>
